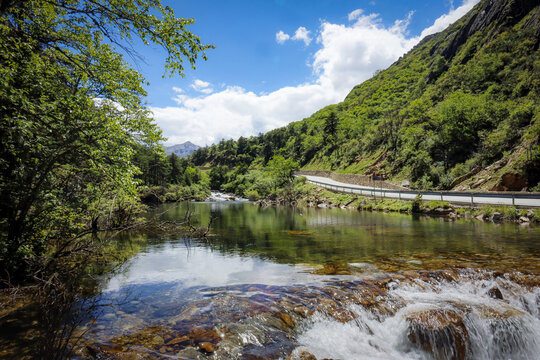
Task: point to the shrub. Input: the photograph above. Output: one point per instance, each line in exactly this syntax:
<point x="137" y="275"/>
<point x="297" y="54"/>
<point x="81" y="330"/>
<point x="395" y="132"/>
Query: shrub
<point x="416" y="206"/>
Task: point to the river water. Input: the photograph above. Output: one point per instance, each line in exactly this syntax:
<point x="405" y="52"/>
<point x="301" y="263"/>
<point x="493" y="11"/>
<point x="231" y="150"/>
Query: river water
<point x="271" y="283"/>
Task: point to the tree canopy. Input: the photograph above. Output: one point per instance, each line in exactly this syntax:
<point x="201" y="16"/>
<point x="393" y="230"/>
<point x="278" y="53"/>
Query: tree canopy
<point x="71" y="112"/>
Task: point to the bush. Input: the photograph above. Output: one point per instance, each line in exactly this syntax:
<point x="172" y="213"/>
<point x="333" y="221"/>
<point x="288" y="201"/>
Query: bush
<point x="417" y="203"/>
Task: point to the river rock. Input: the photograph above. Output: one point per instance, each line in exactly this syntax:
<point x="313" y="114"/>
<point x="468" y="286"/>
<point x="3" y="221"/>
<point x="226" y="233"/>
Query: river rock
<point x="495" y="293"/>
<point x="524" y="219"/>
<point x="497" y="216"/>
<point x="179" y="340"/>
<point x="439" y="332"/>
<point x="301" y="355"/>
<point x="287" y="320"/>
<point x="441" y="211"/>
<point x="199" y="335"/>
<point x="104" y="348"/>
<point x="206" y="347"/>
<point x="342" y="315"/>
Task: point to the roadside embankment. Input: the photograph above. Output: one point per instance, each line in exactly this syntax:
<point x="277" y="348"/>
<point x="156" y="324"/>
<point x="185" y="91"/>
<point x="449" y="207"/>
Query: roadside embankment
<point x="309" y="195"/>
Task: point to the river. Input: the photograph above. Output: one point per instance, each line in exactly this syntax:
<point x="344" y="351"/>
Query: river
<point x="271" y="283"/>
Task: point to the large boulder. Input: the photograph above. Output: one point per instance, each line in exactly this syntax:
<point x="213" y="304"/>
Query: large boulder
<point x="439" y="332"/>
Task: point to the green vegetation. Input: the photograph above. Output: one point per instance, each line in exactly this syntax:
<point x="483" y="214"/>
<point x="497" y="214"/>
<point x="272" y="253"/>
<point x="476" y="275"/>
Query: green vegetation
<point x="72" y="121"/>
<point x="275" y="179"/>
<point x="456" y="104"/>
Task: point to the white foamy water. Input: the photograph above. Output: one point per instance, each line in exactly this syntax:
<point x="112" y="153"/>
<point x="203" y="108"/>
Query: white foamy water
<point x="492" y="328"/>
<point x="217" y="196"/>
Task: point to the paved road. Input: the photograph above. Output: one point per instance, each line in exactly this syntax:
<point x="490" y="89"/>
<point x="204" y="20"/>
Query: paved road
<point x="491" y="198"/>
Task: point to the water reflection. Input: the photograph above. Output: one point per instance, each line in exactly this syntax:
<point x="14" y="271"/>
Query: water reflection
<point x="265" y="270"/>
<point x="318" y="236"/>
<point x="201" y="266"/>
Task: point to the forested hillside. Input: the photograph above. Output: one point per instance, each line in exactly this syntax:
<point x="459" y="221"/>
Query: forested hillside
<point x="460" y="110"/>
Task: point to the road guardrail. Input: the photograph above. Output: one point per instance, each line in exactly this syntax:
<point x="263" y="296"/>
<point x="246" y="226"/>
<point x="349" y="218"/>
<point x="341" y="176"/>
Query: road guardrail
<point x="472" y="199"/>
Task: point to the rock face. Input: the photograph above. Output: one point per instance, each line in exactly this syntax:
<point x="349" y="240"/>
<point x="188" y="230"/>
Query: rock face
<point x="441" y="333"/>
<point x="511" y="182"/>
<point x="503" y="13"/>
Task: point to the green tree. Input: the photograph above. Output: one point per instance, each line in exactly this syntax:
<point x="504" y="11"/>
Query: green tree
<point x="218" y="176"/>
<point x="330" y="127"/>
<point x="71" y="113"/>
<point x="282" y="170"/>
<point x="176" y="169"/>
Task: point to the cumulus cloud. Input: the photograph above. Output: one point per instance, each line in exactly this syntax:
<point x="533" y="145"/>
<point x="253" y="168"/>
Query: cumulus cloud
<point x="302" y="34"/>
<point x="281" y="37"/>
<point x="443" y="21"/>
<point x="347" y="55"/>
<point x="202" y="86"/>
<point x="355" y="14"/>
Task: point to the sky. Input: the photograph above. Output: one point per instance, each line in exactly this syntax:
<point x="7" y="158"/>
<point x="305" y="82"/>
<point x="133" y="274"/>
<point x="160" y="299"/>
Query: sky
<point x="279" y="61"/>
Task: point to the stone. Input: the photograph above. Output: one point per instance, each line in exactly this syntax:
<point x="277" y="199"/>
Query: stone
<point x="206" y="347"/>
<point x="199" y="334"/>
<point x="342" y="315"/>
<point x="439" y="332"/>
<point x="441" y="211"/>
<point x="105" y="348"/>
<point x="502" y="312"/>
<point x="179" y="340"/>
<point x="478" y="183"/>
<point x="301" y="355"/>
<point x="511" y="182"/>
<point x="524" y="219"/>
<point x="156" y="341"/>
<point x="303" y="311"/>
<point x="287" y="320"/>
<point x="479" y="217"/>
<point x="495" y="293"/>
<point x="496" y="216"/>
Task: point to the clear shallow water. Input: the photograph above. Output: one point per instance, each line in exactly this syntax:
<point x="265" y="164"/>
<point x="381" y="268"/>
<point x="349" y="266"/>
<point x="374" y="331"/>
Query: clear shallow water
<point x="338" y="283"/>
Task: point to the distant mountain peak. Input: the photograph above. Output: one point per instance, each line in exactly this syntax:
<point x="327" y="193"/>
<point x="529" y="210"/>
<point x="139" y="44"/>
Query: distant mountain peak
<point x="182" y="150"/>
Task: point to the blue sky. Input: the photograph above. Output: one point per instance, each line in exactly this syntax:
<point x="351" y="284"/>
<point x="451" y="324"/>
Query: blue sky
<point x="278" y="61"/>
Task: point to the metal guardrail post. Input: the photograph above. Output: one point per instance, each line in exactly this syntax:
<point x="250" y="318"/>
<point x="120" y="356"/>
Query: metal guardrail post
<point x="513" y="200"/>
<point x="442" y="196"/>
<point x="472" y="200"/>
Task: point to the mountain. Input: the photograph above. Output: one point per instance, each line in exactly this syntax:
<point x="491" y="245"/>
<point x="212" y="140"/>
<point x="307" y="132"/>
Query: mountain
<point x="182" y="150"/>
<point x="459" y="111"/>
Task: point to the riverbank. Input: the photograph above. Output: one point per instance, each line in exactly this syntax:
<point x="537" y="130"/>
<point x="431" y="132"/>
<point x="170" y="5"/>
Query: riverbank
<point x="307" y="195"/>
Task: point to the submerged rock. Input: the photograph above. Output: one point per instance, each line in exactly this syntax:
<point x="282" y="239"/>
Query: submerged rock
<point x="206" y="347"/>
<point x="287" y="320"/>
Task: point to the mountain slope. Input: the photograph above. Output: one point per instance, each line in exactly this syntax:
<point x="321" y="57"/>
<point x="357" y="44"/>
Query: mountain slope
<point x="182" y="150"/>
<point x="460" y="110"/>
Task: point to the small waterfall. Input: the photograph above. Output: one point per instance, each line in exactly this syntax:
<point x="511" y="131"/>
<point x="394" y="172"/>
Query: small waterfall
<point x="217" y="196"/>
<point x="481" y="316"/>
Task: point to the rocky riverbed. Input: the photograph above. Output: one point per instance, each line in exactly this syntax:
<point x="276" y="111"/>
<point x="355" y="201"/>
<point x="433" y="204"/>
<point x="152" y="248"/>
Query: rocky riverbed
<point x="454" y="313"/>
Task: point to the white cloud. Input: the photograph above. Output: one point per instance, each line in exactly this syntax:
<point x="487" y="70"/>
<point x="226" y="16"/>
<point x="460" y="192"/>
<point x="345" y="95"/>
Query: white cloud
<point x="202" y="86"/>
<point x="347" y="55"/>
<point x="355" y="14"/>
<point x="302" y="34"/>
<point x="177" y="89"/>
<point x="443" y="21"/>
<point x="281" y="37"/>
